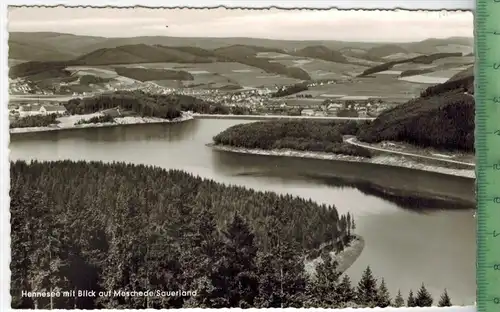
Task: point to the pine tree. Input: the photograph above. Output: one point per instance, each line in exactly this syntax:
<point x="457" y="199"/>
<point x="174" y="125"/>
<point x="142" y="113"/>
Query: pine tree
<point x="345" y="291"/>
<point x="383" y="296"/>
<point x="410" y="302"/>
<point x="323" y="287"/>
<point x="399" y="301"/>
<point x="423" y="298"/>
<point x="445" y="300"/>
<point x="237" y="281"/>
<point x="366" y="293"/>
<point x="282" y="279"/>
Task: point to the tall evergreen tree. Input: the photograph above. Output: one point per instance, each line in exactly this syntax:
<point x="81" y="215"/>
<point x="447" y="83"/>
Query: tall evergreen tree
<point x="206" y="251"/>
<point x="410" y="302"/>
<point x="323" y="287"/>
<point x="445" y="300"/>
<point x="423" y="298"/>
<point x="383" y="296"/>
<point x="399" y="301"/>
<point x="366" y="292"/>
<point x="236" y="279"/>
<point x="282" y="279"/>
<point x="346" y="293"/>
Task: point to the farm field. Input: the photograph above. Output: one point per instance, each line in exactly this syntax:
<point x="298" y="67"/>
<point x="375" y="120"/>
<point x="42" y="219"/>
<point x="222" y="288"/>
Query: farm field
<point x="382" y="86"/>
<point x="453" y="48"/>
<point x="215" y="74"/>
<point x="319" y="69"/>
<point x="424" y="79"/>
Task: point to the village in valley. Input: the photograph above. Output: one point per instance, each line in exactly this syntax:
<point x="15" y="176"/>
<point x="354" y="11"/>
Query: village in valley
<point x="27" y="100"/>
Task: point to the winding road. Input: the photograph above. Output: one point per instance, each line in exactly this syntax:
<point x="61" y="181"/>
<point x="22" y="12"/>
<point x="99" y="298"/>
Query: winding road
<point x="353" y="142"/>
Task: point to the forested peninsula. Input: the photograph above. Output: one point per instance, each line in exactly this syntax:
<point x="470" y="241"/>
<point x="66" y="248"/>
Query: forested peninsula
<point x="136" y="228"/>
<point x="301" y="135"/>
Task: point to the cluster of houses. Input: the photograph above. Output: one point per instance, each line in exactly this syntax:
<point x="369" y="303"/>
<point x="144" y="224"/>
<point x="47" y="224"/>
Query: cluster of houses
<point x="24" y="110"/>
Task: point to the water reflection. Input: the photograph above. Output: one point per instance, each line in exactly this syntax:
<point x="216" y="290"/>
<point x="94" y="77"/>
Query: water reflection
<point x="422" y="191"/>
<point x="161" y="131"/>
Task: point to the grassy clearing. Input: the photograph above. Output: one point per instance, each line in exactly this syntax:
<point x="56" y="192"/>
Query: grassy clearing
<point x="99" y="71"/>
<point x="453" y="48"/>
<point x="221" y="74"/>
<point x="384" y="86"/>
<point x="424" y="79"/>
<point x="319" y="69"/>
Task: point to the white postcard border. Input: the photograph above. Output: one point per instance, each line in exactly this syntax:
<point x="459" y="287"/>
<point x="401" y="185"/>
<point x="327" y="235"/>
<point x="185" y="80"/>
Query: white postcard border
<point x="319" y="4"/>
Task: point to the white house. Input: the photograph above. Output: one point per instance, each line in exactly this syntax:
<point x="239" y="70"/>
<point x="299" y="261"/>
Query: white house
<point x="52" y="109"/>
<point x="29" y="110"/>
<point x="307" y="112"/>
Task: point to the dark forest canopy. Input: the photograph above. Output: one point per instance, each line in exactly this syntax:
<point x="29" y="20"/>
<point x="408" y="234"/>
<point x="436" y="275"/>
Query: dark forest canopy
<point x="137" y="228"/>
<point x="442" y="117"/>
<point x="114" y="221"/>
<point x="149" y="74"/>
<point x="302" y="135"/>
<point x="92" y="79"/>
<point x="146" y="104"/>
<point x="421" y="59"/>
<point x="34" y="121"/>
<point x="289" y="90"/>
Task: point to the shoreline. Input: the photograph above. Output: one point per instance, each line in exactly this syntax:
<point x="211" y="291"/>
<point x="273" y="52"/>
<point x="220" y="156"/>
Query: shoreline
<point x="264" y="117"/>
<point x="345" y="258"/>
<point x="68" y="123"/>
<point x="378" y="160"/>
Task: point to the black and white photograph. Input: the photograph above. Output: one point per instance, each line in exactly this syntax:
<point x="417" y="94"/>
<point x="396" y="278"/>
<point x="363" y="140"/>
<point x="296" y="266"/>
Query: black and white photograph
<point x="167" y="158"/>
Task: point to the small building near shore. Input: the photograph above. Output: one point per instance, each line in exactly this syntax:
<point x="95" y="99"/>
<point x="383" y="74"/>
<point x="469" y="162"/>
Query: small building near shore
<point x="52" y="109"/>
<point x="307" y="112"/>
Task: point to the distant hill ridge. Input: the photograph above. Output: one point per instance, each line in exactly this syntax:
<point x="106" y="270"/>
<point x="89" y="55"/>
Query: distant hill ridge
<point x="76" y="45"/>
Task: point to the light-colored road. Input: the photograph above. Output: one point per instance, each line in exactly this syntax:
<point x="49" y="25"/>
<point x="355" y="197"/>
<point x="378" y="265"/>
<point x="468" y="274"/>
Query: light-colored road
<point x="353" y="142"/>
<point x="260" y="117"/>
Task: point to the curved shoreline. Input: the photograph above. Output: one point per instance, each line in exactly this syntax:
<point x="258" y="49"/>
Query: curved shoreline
<point x="345" y="258"/>
<point x="379" y="160"/>
<point x="123" y="121"/>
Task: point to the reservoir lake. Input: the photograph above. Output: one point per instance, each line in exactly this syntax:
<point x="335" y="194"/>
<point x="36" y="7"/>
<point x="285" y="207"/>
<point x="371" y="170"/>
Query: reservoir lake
<point x="411" y="237"/>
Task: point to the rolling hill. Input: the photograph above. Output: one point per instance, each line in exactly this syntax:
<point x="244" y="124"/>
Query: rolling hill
<point x="139" y="53"/>
<point x="322" y="53"/>
<point x="442" y="117"/>
<point x="378" y="53"/>
<point x="421" y="59"/>
<point x="36" y="52"/>
<point x="69" y="44"/>
<point x="142" y="53"/>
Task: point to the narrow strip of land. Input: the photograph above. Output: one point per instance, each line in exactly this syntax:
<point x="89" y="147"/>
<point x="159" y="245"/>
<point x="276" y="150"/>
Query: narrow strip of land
<point x="354" y="142"/>
<point x="260" y="117"/>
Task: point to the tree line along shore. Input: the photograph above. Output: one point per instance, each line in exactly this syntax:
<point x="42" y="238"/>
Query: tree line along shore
<point x="141" y="228"/>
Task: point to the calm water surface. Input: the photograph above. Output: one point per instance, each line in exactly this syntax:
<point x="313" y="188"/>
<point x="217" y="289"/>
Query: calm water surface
<point x="409" y="240"/>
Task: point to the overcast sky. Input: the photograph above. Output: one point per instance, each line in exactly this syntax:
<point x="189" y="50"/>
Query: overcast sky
<point x="396" y="26"/>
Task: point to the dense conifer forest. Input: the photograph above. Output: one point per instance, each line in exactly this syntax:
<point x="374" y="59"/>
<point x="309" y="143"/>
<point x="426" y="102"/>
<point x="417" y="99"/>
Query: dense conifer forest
<point x="95" y="120"/>
<point x="146" y="104"/>
<point x="148" y="74"/>
<point x="34" y="121"/>
<point x="442" y="117"/>
<point x="140" y="228"/>
<point x="302" y="135"/>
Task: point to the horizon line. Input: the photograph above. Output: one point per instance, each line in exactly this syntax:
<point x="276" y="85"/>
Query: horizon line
<point x="212" y="37"/>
